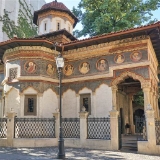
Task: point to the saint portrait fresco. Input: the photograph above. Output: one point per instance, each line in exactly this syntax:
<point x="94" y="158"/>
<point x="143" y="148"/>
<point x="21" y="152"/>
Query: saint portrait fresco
<point x="30" y="67"/>
<point x="119" y="58"/>
<point x="101" y="65"/>
<point x="68" y="70"/>
<point x="84" y="67"/>
<point x="50" y="69"/>
<point x="136" y="56"/>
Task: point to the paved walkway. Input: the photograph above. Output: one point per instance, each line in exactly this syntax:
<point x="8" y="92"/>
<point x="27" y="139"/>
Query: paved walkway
<point x="50" y="153"/>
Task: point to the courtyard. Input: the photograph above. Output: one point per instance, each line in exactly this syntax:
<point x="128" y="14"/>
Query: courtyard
<point x="49" y="153"/>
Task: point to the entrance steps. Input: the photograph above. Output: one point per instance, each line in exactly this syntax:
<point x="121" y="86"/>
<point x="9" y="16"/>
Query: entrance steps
<point x="129" y="143"/>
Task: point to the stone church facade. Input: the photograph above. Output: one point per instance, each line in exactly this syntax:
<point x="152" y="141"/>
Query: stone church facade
<point x="101" y="73"/>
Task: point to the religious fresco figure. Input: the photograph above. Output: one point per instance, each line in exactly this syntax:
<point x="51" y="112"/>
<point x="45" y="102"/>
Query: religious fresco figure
<point x="136" y="56"/>
<point x="84" y="68"/>
<point x="68" y="70"/>
<point x="119" y="58"/>
<point x="102" y="65"/>
<point x="30" y="67"/>
<point x="50" y="69"/>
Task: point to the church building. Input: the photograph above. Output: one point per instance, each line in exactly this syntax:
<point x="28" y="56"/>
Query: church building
<point x="101" y="73"/>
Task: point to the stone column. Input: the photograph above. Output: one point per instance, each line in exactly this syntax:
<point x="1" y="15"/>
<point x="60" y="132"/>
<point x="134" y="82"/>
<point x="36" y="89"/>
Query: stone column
<point x="10" y="128"/>
<point x="57" y="125"/>
<point x="83" y="127"/>
<point x="150" y="125"/>
<point x="114" y="130"/>
<point x="78" y="104"/>
<point x="132" y="128"/>
<point x="114" y="97"/>
<point x="146" y="91"/>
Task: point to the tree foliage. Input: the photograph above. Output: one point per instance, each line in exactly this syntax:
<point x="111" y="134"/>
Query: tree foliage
<point x="24" y="27"/>
<point x="104" y="16"/>
<point x="139" y="98"/>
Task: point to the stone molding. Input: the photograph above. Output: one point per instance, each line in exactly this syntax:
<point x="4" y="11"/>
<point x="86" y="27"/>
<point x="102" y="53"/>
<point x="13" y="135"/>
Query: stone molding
<point x="149" y="114"/>
<point x="106" y="48"/>
<point x="28" y="51"/>
<point x="128" y="74"/>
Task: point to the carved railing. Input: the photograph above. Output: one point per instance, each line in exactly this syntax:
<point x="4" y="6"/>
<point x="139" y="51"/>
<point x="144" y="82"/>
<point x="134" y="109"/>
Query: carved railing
<point x="71" y="127"/>
<point x="34" y="128"/>
<point x="98" y="128"/>
<point x="3" y="127"/>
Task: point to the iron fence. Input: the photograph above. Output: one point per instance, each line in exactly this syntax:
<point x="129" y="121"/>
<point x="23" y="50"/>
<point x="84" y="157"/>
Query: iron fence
<point x="3" y="127"/>
<point x="98" y="128"/>
<point x="140" y="128"/>
<point x="157" y="128"/>
<point x="34" y="128"/>
<point x="71" y="127"/>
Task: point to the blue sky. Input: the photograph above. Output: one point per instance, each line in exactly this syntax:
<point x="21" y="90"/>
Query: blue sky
<point x="70" y="3"/>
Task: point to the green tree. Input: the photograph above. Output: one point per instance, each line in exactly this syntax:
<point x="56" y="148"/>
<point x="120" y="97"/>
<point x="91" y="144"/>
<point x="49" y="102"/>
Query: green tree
<point x="104" y="16"/>
<point x="24" y="28"/>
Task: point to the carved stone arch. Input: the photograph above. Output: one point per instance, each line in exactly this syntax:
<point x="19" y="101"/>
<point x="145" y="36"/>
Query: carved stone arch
<point x="127" y="74"/>
<point x="52" y="89"/>
<point x="85" y="88"/>
<point x="24" y="89"/>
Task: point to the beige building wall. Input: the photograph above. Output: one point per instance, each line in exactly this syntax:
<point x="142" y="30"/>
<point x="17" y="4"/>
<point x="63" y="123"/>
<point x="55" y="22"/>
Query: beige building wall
<point x="13" y="7"/>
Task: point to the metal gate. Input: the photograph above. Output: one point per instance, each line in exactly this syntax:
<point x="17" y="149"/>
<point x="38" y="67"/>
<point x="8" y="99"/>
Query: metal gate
<point x="140" y="128"/>
<point x="120" y="132"/>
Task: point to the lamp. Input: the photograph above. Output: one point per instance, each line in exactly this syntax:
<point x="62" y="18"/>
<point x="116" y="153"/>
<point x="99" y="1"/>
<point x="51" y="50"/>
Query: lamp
<point x="60" y="65"/>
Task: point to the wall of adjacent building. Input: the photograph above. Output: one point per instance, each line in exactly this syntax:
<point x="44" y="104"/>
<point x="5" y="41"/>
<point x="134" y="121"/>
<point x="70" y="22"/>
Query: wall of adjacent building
<point x="13" y="7"/>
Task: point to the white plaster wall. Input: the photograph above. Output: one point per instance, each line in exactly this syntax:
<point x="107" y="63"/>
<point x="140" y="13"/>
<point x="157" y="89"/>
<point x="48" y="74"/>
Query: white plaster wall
<point x="69" y="106"/>
<point x="48" y="21"/>
<point x="12" y="102"/>
<point x="50" y="104"/>
<point x="103" y="101"/>
<point x="52" y="24"/>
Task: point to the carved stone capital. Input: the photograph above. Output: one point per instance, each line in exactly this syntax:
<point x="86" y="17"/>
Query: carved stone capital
<point x="146" y="84"/>
<point x="149" y="114"/>
<point x="114" y="114"/>
<point x="83" y="115"/>
<point x="114" y="88"/>
<point x="56" y="115"/>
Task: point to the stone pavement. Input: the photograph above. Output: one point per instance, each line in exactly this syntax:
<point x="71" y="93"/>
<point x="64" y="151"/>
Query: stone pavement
<point x="50" y="153"/>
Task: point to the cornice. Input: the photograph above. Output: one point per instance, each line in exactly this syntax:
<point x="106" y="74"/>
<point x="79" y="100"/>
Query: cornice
<point x="114" y="47"/>
<point x="29" y="52"/>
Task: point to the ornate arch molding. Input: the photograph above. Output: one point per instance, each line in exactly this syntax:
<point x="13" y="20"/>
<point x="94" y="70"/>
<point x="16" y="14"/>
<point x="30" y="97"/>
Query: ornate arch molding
<point x="124" y="75"/>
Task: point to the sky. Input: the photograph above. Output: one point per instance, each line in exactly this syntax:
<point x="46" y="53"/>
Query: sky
<point x="70" y="3"/>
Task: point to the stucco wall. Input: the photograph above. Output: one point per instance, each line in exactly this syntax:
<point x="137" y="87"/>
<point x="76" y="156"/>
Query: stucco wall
<point x="51" y="24"/>
<point x="12" y="102"/>
<point x="69" y="109"/>
<point x="103" y="101"/>
<point x="49" y="104"/>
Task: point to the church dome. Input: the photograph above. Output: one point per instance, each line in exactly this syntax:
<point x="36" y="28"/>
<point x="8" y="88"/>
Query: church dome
<point x="56" y="6"/>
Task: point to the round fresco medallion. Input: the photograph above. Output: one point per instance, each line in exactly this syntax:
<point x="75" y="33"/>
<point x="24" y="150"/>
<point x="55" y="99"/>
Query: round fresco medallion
<point x="84" y="67"/>
<point x="119" y="58"/>
<point x="136" y="56"/>
<point x="30" y="67"/>
<point x="101" y="65"/>
<point x="50" y="69"/>
<point x="68" y="70"/>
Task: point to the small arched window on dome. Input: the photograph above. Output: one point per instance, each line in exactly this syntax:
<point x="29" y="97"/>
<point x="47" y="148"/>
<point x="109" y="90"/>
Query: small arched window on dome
<point x="58" y="25"/>
<point x="45" y="26"/>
